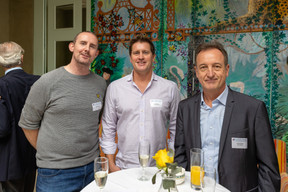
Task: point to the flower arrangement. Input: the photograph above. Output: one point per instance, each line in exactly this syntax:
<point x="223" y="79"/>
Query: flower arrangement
<point x="164" y="162"/>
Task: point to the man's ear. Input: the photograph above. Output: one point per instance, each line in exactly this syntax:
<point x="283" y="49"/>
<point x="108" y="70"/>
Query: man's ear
<point x="22" y="56"/>
<point x="71" y="46"/>
<point x="227" y="70"/>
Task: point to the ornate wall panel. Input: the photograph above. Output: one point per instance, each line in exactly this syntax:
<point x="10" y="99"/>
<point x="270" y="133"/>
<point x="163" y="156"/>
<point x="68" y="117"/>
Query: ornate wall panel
<point x="254" y="32"/>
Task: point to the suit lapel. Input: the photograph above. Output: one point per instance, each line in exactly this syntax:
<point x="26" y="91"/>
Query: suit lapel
<point x="195" y="117"/>
<point x="226" y="122"/>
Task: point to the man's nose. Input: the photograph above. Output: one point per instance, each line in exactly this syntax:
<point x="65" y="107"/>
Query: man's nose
<point x="86" y="48"/>
<point x="210" y="72"/>
<point x="141" y="56"/>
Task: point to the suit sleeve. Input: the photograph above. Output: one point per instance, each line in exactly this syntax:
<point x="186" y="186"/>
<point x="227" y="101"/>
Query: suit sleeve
<point x="180" y="152"/>
<point x="268" y="173"/>
<point x="5" y="128"/>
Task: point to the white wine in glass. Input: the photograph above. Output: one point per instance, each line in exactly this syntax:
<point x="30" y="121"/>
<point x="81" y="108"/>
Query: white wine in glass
<point x="101" y="171"/>
<point x="144" y="154"/>
<point x="143" y="160"/>
<point x="101" y="178"/>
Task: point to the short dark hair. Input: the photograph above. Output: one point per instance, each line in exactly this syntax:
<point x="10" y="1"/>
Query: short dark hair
<point x="212" y="45"/>
<point x="76" y="36"/>
<point x="141" y="39"/>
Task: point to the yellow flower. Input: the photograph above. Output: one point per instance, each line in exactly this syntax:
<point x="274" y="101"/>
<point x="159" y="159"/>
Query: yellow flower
<point x="162" y="157"/>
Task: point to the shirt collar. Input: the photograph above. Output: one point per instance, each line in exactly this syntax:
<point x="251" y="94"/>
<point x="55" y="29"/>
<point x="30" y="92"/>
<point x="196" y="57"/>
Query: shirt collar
<point x="153" y="77"/>
<point x="222" y="98"/>
<point x="12" y="69"/>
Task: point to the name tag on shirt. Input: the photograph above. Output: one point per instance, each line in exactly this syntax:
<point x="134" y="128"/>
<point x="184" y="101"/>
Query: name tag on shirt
<point x="96" y="106"/>
<point x="156" y="102"/>
<point x="239" y="143"/>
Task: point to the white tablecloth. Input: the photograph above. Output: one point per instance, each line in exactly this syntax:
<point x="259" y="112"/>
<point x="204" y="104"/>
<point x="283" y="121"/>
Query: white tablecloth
<point x="126" y="181"/>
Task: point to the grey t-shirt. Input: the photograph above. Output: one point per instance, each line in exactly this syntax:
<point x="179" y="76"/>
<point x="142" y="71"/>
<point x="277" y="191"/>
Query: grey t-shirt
<point x="65" y="108"/>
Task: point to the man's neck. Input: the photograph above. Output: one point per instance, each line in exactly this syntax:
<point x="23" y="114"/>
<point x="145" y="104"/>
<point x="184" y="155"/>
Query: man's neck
<point x="77" y="69"/>
<point x="142" y="80"/>
<point x="209" y="97"/>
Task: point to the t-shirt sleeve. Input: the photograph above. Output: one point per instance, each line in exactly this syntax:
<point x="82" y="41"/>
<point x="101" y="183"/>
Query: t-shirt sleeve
<point x="35" y="105"/>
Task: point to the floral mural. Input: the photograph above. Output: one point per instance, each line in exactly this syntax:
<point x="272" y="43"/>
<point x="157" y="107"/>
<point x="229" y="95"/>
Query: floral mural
<point x="254" y="33"/>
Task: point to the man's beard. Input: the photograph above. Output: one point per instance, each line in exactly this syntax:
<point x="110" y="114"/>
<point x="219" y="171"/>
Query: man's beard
<point x="78" y="60"/>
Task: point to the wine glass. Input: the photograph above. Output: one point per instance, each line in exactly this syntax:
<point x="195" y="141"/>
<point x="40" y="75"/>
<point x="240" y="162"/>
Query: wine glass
<point x="144" y="154"/>
<point x="208" y="183"/>
<point x="101" y="171"/>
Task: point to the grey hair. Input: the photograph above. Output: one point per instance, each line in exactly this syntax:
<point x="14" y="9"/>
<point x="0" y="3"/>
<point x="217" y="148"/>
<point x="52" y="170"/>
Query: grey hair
<point x="10" y="54"/>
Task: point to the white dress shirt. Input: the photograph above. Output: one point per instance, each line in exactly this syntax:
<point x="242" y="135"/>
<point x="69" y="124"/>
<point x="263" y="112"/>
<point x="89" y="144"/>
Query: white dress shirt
<point x="136" y="115"/>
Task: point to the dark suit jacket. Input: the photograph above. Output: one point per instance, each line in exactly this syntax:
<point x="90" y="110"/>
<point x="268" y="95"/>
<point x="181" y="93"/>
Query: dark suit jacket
<point x="252" y="169"/>
<point x="17" y="156"/>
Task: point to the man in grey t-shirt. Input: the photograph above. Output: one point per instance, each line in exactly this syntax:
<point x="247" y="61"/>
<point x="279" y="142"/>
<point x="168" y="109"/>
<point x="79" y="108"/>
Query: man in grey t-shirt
<point x="60" y="119"/>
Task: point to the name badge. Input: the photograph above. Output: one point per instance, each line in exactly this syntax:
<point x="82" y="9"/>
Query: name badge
<point x="239" y="143"/>
<point x="96" y="106"/>
<point x="156" y="102"/>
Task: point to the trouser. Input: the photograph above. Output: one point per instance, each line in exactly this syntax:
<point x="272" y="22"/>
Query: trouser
<point x="25" y="184"/>
<point x="64" y="180"/>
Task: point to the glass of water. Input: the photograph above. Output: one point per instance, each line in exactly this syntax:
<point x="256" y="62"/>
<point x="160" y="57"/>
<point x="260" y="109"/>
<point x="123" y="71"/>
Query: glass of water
<point x="101" y="171"/>
<point x="144" y="154"/>
<point x="208" y="182"/>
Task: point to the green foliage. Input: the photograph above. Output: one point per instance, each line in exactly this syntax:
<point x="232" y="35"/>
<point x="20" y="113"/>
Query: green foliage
<point x="92" y="15"/>
<point x="162" y="44"/>
<point x="107" y="59"/>
<point x="272" y="41"/>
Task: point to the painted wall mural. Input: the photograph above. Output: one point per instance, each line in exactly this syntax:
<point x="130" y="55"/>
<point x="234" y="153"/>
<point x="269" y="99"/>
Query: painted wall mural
<point x="254" y="32"/>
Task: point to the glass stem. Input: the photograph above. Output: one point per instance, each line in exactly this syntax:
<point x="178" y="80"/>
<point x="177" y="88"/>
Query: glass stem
<point x="143" y="172"/>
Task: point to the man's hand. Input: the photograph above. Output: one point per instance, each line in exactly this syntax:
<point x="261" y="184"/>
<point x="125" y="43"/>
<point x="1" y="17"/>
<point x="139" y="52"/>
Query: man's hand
<point x="112" y="166"/>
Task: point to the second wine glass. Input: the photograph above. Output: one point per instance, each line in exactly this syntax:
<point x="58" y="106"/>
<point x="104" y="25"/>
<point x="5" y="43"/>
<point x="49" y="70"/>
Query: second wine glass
<point x="101" y="171"/>
<point x="144" y="154"/>
<point x="208" y="182"/>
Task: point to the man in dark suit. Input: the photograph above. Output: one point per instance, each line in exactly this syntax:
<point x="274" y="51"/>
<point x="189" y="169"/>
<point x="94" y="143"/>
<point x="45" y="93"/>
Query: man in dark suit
<point x="17" y="156"/>
<point x="233" y="129"/>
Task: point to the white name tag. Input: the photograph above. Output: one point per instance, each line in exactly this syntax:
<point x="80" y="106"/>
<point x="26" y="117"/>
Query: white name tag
<point x="239" y="143"/>
<point x="96" y="106"/>
<point x="156" y="102"/>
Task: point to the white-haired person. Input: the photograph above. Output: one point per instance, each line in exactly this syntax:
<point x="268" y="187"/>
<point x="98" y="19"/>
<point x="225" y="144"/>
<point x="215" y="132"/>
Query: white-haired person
<point x="17" y="156"/>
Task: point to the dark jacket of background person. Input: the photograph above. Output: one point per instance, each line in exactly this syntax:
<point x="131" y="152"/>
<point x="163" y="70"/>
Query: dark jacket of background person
<point x="17" y="156"/>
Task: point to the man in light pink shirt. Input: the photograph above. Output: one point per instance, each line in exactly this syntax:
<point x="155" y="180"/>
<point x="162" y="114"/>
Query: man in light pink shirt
<point x="139" y="106"/>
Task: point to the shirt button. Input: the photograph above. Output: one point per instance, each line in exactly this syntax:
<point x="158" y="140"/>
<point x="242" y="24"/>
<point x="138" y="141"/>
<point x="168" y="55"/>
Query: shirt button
<point x="210" y="158"/>
<point x="211" y="127"/>
<point x="211" y="143"/>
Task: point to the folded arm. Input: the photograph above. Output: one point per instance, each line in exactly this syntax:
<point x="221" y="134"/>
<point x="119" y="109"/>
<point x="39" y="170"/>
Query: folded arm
<point x="31" y="135"/>
<point x="173" y="116"/>
<point x="109" y="123"/>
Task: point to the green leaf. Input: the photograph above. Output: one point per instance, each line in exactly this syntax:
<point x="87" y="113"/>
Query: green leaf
<point x="167" y="183"/>
<point x="154" y="179"/>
